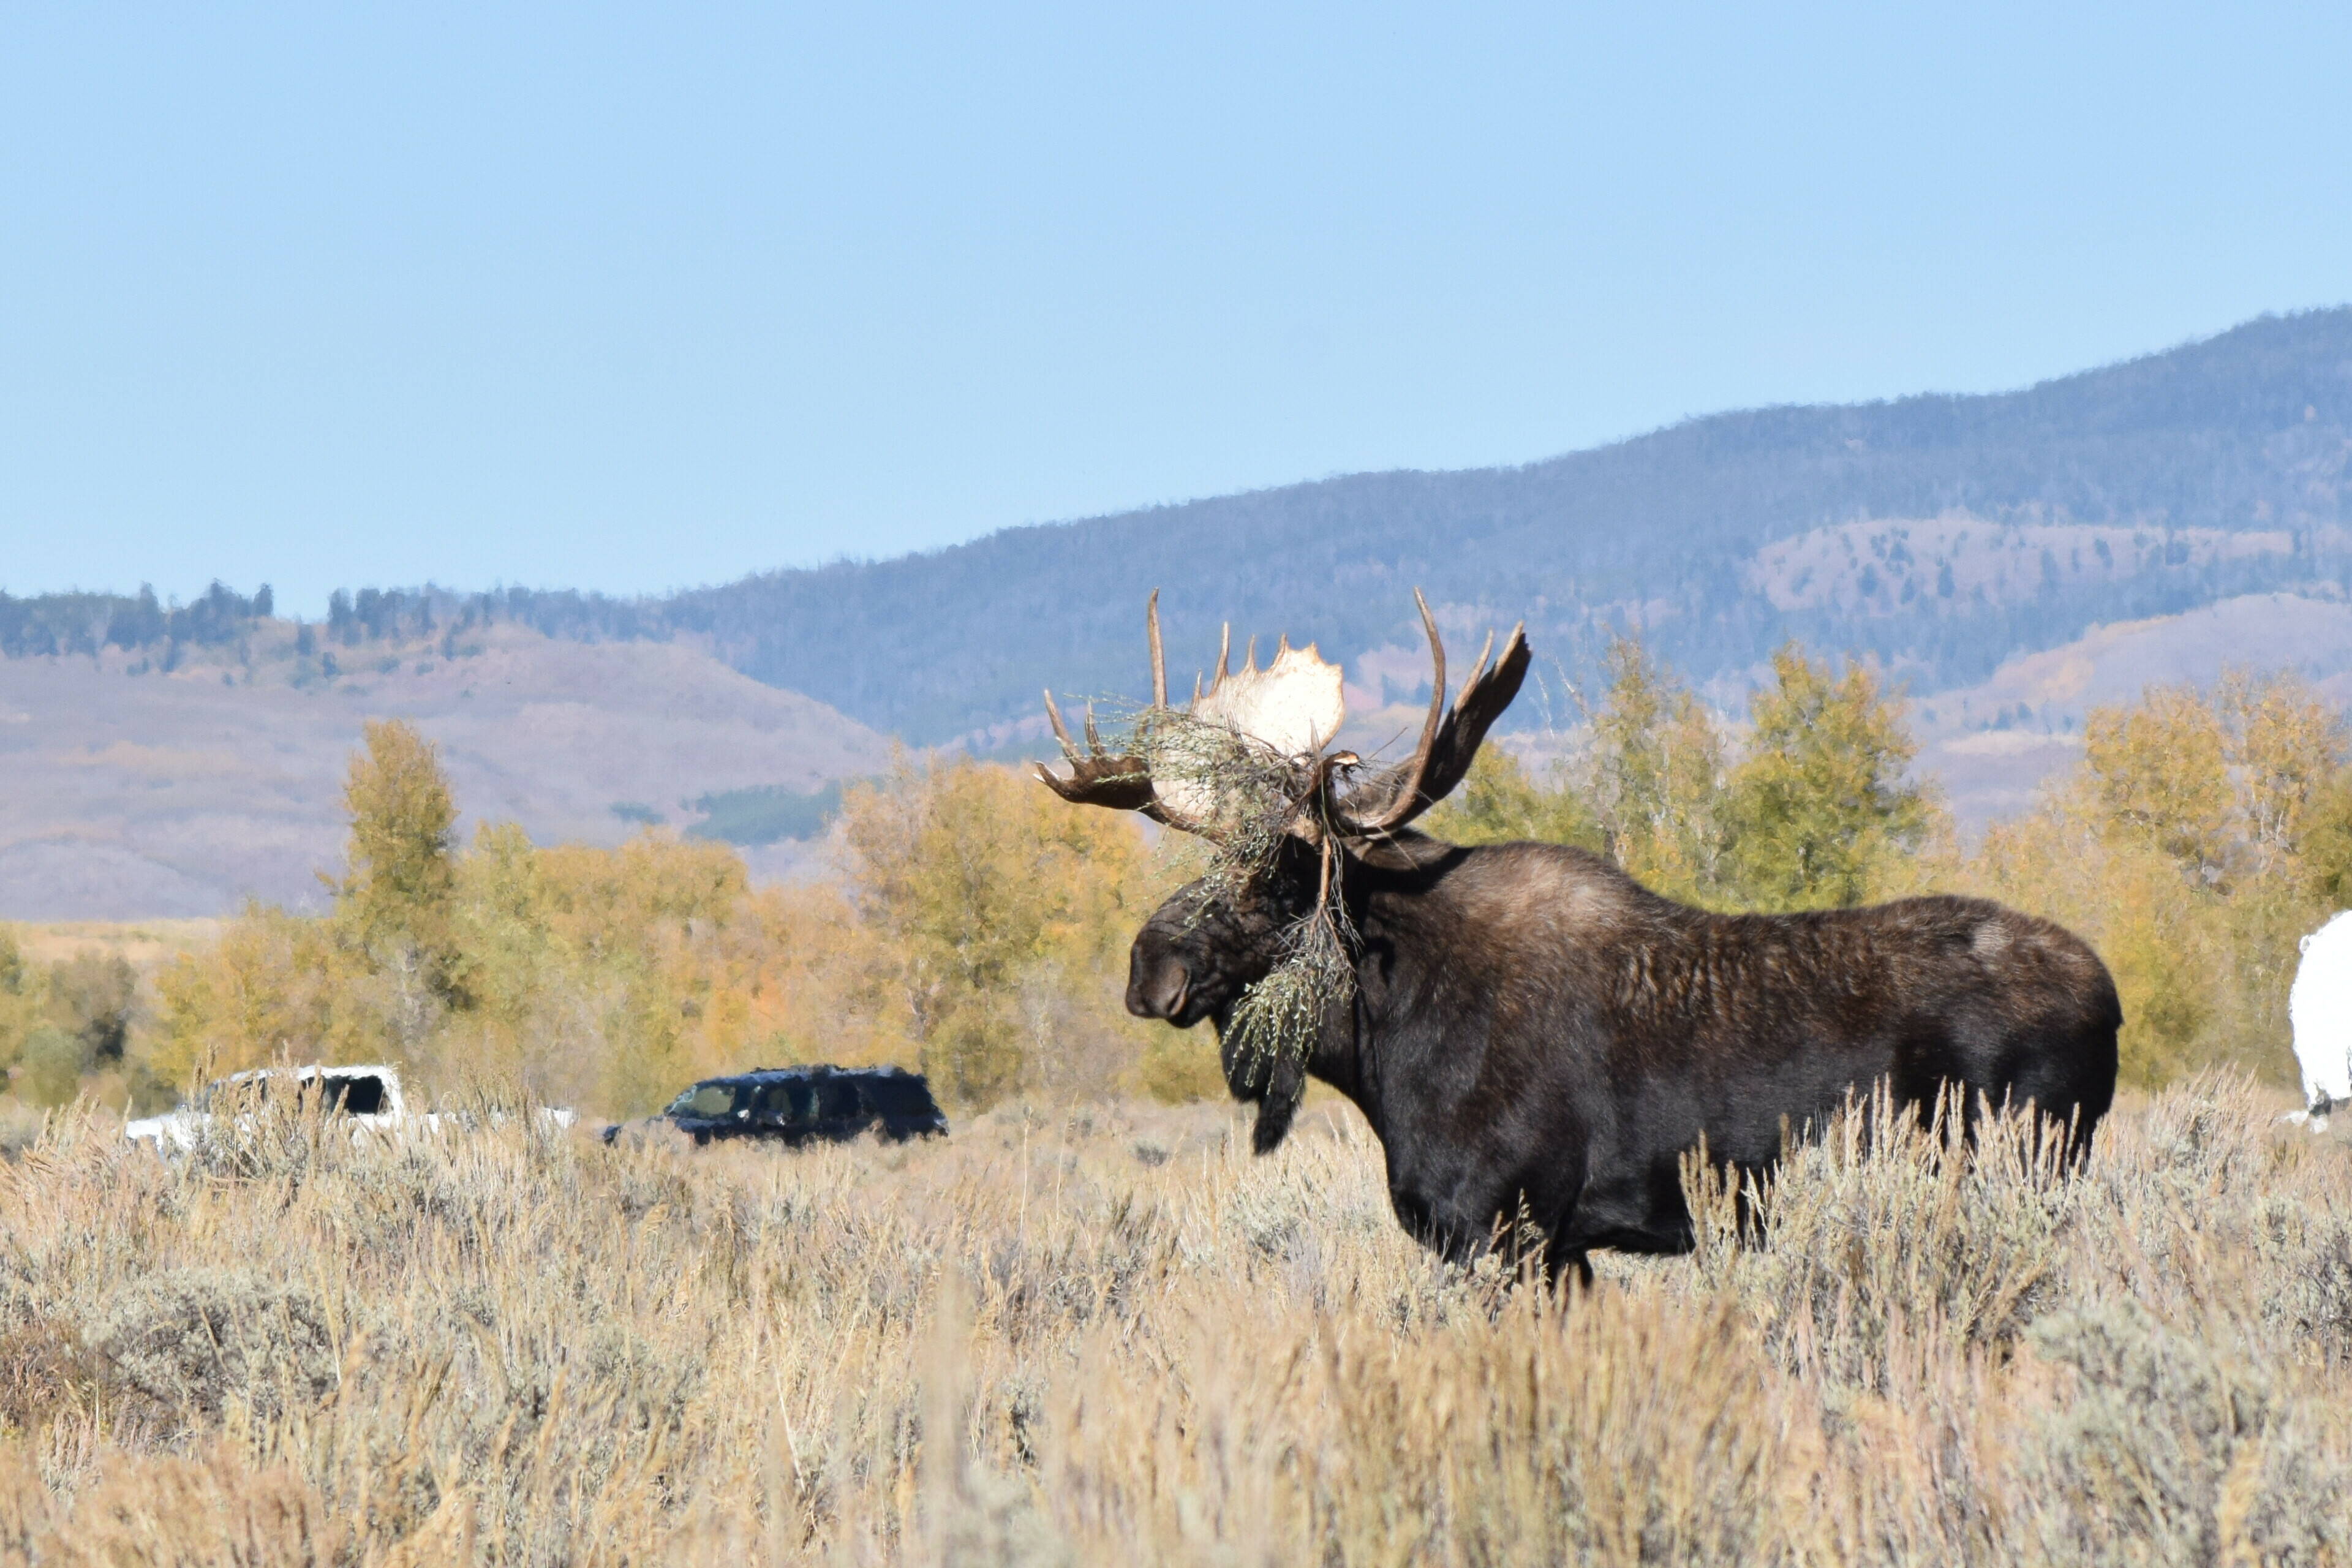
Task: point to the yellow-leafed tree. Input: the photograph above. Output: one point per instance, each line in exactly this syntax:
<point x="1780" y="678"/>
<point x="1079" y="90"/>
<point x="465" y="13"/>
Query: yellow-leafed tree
<point x="394" y="902"/>
<point x="1818" y="802"/>
<point x="1005" y="916"/>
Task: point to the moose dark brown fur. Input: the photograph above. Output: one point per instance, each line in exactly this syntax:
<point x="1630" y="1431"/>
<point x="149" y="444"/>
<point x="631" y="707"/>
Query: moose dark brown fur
<point x="1532" y="1033"/>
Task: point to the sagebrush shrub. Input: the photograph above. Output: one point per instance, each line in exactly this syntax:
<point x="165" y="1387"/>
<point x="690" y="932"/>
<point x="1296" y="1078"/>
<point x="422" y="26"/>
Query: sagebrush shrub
<point x="2177" y="1448"/>
<point x="1878" y="1223"/>
<point x="1024" y="1344"/>
<point x="198" y="1339"/>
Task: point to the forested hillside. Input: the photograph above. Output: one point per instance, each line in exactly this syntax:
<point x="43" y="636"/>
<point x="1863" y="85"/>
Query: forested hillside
<point x="1942" y="534"/>
<point x="87" y="623"/>
<point x="2246" y="433"/>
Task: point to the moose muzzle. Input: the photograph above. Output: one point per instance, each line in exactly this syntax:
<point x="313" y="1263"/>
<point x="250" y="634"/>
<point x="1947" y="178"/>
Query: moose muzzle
<point x="1158" y="990"/>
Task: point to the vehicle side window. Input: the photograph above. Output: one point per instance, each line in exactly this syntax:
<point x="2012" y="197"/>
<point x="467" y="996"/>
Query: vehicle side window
<point x="786" y="1102"/>
<point x="836" y="1100"/>
<point x="355" y="1096"/>
<point x="708" y="1099"/>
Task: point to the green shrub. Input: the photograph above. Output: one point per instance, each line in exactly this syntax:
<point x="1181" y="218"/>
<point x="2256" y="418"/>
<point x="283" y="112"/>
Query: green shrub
<point x="52" y="1065"/>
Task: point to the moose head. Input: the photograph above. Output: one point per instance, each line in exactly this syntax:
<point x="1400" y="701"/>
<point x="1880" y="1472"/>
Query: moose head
<point x="1264" y="947"/>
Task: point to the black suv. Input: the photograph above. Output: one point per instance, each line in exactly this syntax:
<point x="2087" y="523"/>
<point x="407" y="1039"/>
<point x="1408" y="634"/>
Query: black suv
<point x="801" y="1105"/>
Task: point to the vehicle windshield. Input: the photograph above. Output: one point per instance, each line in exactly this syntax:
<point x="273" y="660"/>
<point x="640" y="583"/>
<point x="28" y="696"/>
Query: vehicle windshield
<point x="360" y="1095"/>
<point x="705" y="1099"/>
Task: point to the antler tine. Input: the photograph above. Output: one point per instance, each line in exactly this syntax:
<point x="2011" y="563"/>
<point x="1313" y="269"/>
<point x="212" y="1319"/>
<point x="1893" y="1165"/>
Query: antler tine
<point x="1224" y="652"/>
<point x="1437" y="679"/>
<point x="1468" y="695"/>
<point x="1448" y="744"/>
<point x="1406" y="801"/>
<point x="1061" y="731"/>
<point x="1120" y="782"/>
<point x="1159" y="657"/>
<point x="1478" y="670"/>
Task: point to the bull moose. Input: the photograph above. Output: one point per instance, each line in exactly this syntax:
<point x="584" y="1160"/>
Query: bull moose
<point x="1532" y="1033"/>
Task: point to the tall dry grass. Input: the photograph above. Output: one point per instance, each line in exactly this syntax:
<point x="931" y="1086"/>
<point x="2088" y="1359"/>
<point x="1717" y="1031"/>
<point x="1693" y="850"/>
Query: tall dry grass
<point x="1117" y="1337"/>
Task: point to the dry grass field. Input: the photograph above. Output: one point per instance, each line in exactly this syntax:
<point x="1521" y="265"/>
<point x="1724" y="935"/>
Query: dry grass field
<point x="1112" y="1336"/>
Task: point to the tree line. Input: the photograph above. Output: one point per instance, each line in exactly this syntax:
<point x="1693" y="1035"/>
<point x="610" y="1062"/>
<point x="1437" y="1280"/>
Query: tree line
<point x="2202" y="833"/>
<point x="52" y="623"/>
<point x="976" y="932"/>
<point x="976" y="927"/>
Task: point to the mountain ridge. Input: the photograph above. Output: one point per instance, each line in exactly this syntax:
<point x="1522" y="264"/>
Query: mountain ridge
<point x="1667" y="532"/>
<point x="2146" y="521"/>
<point x="2250" y="429"/>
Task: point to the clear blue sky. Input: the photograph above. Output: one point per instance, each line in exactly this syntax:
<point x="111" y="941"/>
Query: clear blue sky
<point x="636" y="297"/>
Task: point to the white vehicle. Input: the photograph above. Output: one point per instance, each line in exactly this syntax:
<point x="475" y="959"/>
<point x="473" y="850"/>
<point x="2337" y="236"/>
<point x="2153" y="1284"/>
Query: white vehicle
<point x="366" y="1097"/>
<point x="2320" y="1009"/>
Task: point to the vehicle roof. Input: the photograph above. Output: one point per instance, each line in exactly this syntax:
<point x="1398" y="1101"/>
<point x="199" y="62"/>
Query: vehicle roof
<point x="314" y="1070"/>
<point x="809" y="1070"/>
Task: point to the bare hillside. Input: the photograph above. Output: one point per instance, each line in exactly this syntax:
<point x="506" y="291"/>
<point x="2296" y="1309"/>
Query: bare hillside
<point x="1952" y="565"/>
<point x="1992" y="744"/>
<point x="146" y="794"/>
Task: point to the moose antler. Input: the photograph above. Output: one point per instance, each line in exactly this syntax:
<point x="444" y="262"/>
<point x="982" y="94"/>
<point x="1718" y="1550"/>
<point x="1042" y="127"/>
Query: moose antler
<point x="1122" y="783"/>
<point x="1292" y="709"/>
<point x="1449" y="738"/>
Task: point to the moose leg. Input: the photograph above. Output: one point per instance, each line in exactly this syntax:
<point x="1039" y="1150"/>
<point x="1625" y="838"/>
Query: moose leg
<point x="1560" y="1262"/>
<point x="1636" y="1212"/>
<point x="1462" y="1216"/>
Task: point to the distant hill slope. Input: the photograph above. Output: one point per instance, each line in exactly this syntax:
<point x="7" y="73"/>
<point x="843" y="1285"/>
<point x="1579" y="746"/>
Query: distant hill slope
<point x="2146" y="521"/>
<point x="1991" y="744"/>
<point x="1688" y="531"/>
<point x="153" y="793"/>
